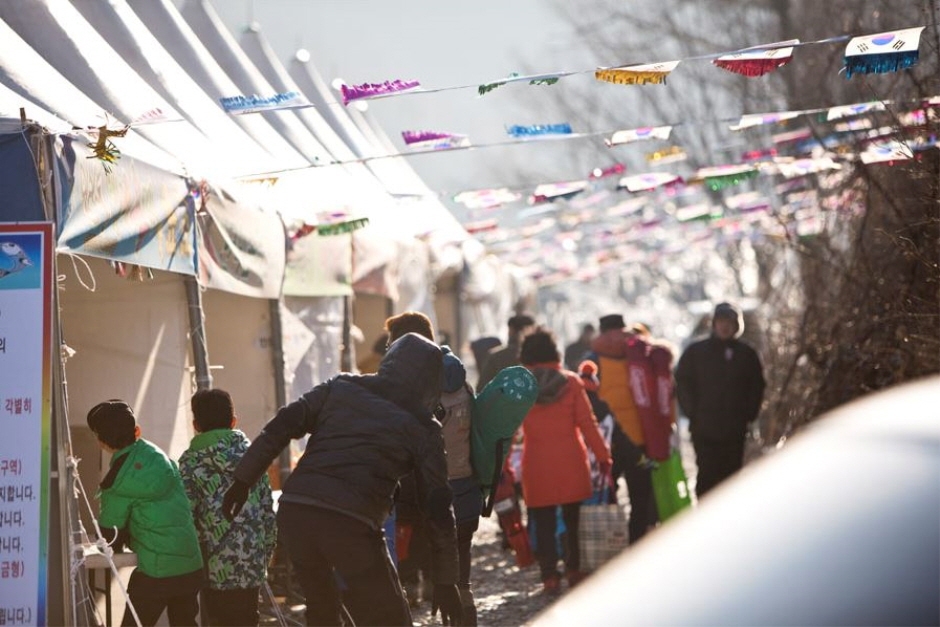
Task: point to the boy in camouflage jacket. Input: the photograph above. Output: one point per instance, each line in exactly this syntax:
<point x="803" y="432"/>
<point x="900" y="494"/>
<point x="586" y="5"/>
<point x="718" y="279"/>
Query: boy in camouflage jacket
<point x="237" y="554"/>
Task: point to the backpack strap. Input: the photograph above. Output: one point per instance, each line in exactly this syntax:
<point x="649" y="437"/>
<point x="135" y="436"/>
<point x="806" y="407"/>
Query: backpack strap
<point x="497" y="475"/>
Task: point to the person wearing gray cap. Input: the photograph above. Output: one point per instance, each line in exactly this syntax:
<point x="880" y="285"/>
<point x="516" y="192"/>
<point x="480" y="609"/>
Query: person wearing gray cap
<point x="720" y="386"/>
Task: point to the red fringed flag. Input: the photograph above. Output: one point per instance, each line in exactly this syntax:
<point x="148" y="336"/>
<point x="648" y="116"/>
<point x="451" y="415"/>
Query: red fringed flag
<point x="759" y="60"/>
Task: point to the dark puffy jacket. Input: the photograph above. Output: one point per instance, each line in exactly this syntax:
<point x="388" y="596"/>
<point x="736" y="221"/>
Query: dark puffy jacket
<point x="720" y="385"/>
<point x="366" y="433"/>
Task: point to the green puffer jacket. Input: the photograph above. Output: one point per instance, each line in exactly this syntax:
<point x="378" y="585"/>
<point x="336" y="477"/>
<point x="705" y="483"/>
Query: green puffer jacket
<point x="238" y="553"/>
<point x="143" y="495"/>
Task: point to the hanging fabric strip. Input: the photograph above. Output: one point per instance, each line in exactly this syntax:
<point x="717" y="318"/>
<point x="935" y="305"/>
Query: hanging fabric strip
<point x="342" y="227"/>
<point x="882" y="53"/>
<point x="759" y="119"/>
<point x="650" y="181"/>
<point x="554" y="191"/>
<point x="156" y="116"/>
<point x="720" y="177"/>
<point x="433" y="140"/>
<point x="845" y="111"/>
<point x="599" y="173"/>
<point x="672" y="154"/>
<point x="539" y="129"/>
<point x="700" y="211"/>
<point x="638" y="134"/>
<point x="373" y="90"/>
<point x="759" y="60"/>
<point x="886" y="153"/>
<point x="443" y="143"/>
<point x="240" y="105"/>
<point x="649" y="74"/>
<point x="534" y="79"/>
<point x="486" y="198"/>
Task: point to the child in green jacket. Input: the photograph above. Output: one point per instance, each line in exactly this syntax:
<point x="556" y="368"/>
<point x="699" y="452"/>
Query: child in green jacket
<point x="143" y="503"/>
<point x="238" y="552"/>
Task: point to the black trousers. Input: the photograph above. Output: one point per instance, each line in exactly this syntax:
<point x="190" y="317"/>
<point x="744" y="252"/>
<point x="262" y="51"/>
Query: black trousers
<point x="231" y="608"/>
<point x="341" y="561"/>
<point x="716" y="462"/>
<point x="465" y="531"/>
<point x="627" y="457"/>
<point x="546" y="549"/>
<point x="151" y="595"/>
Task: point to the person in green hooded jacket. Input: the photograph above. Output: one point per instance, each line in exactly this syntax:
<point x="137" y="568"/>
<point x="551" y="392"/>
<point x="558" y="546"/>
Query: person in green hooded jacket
<point x="237" y="553"/>
<point x="143" y="504"/>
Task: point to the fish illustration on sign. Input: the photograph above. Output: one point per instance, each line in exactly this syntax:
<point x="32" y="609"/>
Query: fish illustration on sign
<point x="12" y="252"/>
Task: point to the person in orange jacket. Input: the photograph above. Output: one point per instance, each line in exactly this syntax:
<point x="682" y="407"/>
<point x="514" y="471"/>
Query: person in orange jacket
<point x="555" y="469"/>
<point x="610" y="353"/>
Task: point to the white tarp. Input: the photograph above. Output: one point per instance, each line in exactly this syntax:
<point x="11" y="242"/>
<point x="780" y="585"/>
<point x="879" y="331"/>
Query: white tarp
<point x="169" y="27"/>
<point x="69" y="43"/>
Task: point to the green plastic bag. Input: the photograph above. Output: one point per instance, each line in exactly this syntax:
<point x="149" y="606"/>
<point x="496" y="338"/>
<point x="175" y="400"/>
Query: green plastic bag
<point x="670" y="487"/>
<point x="498" y="410"/>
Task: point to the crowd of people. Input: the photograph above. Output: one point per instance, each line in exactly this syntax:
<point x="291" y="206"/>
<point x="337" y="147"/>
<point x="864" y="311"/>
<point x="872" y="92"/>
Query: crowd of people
<point x="385" y="495"/>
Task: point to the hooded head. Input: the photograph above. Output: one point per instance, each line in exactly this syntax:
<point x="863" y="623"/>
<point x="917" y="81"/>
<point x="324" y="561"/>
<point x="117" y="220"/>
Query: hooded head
<point x="413" y="371"/>
<point x="727" y="311"/>
<point x="455" y="374"/>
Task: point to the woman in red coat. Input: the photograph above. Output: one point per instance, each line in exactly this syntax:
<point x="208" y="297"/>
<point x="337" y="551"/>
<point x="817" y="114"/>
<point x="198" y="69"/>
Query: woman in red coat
<point x="555" y="470"/>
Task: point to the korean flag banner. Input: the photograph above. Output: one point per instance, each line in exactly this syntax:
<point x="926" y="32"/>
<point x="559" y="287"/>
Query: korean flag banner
<point x="882" y="53"/>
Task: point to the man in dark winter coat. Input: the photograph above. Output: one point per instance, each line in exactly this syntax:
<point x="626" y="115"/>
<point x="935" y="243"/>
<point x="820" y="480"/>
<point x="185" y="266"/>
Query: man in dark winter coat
<point x="366" y="433"/>
<point x="720" y="385"/>
<point x="520" y="325"/>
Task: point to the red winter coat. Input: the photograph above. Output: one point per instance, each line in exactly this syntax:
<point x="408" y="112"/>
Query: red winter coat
<point x="554" y="458"/>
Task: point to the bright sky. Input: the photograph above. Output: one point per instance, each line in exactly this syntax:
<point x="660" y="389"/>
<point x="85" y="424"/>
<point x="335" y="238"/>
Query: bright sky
<point x="438" y="43"/>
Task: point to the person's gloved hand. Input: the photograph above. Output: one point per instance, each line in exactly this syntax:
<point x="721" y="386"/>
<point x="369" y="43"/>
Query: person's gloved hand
<point x="234" y="499"/>
<point x="447" y="599"/>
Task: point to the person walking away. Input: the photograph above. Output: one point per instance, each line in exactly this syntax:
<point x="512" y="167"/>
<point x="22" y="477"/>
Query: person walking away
<point x="587" y="370"/>
<point x="236" y="553"/>
<point x="366" y="433"/>
<point x="720" y="387"/>
<point x="457" y="402"/>
<point x="555" y="468"/>
<point x="610" y="350"/>
<point x="143" y="504"/>
<point x="577" y="350"/>
<point x="520" y="325"/>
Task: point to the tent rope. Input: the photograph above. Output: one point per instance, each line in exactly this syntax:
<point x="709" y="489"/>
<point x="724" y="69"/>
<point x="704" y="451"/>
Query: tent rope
<point x="91" y="275"/>
<point x="100" y="543"/>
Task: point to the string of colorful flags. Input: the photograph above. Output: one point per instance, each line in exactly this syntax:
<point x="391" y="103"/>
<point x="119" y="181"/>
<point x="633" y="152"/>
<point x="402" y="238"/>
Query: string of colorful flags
<point x="421" y="142"/>
<point x="882" y="146"/>
<point x="878" y="53"/>
<point x="889" y="51"/>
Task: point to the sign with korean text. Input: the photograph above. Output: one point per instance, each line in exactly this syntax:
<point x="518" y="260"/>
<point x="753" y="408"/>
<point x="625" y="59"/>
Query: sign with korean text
<point x="26" y="284"/>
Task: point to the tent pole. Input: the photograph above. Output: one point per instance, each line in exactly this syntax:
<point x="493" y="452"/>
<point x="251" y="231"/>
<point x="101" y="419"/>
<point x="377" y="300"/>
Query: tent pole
<point x="345" y="357"/>
<point x="63" y="512"/>
<point x="197" y="333"/>
<point x="280" y="381"/>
